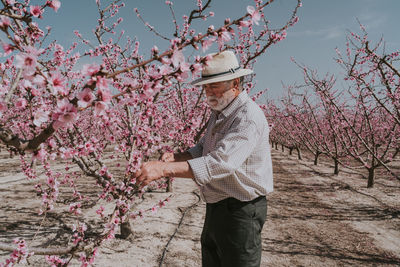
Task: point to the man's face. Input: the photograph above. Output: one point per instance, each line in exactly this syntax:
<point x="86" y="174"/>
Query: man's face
<point x="220" y="94"/>
<point x="217" y="89"/>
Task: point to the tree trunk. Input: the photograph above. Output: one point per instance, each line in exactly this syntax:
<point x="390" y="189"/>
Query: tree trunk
<point x="276" y="146"/>
<point x="299" y="153"/>
<point x="283" y="148"/>
<point x="126" y="229"/>
<point x="336" y="171"/>
<point x="316" y="158"/>
<point x="371" y="172"/>
<point x="169" y="185"/>
<point x="291" y="150"/>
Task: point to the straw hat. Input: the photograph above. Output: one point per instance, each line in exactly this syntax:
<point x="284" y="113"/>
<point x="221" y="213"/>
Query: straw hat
<point x="222" y="67"/>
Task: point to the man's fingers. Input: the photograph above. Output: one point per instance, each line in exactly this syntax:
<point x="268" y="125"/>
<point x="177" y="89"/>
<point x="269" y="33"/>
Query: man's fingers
<point x="136" y="174"/>
<point x="143" y="183"/>
<point x="166" y="157"/>
<point x="140" y="179"/>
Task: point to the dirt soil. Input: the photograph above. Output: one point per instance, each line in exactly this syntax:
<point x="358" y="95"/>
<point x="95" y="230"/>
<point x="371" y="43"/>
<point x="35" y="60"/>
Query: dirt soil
<point x="314" y="219"/>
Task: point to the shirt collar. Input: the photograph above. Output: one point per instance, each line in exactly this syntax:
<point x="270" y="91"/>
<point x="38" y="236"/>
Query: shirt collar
<point x="234" y="105"/>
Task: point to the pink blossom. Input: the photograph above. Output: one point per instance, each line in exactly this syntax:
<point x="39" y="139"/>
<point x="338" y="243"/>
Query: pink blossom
<point x="104" y="95"/>
<point x="40" y="117"/>
<point x="4" y="22"/>
<point x="32" y="50"/>
<point x="89" y="147"/>
<point x="154" y="50"/>
<point x="100" y="108"/>
<point x="21" y="103"/>
<point x="177" y="58"/>
<point x="184" y="67"/>
<point x="26" y="84"/>
<point x="17" y="39"/>
<point x="52" y="143"/>
<point x="207" y="58"/>
<point x="56" y="81"/>
<point x="277" y="37"/>
<point x="54" y="4"/>
<point x="40" y="154"/>
<point x="101" y="82"/>
<point x="8" y="48"/>
<point x="245" y="23"/>
<point x="255" y="15"/>
<point x="224" y="37"/>
<point x="39" y="80"/>
<point x="3" y="90"/>
<point x="90" y="69"/>
<point x="116" y="221"/>
<point x="67" y="153"/>
<point x="26" y="62"/>
<point x="85" y="98"/>
<point x="197" y="68"/>
<point x="65" y="114"/>
<point x="55" y="260"/>
<point x="75" y="208"/>
<point x="3" y="107"/>
<point x="100" y="211"/>
<point x="35" y="92"/>
<point x="36" y="11"/>
<point x="165" y="70"/>
<point x="166" y="60"/>
<point x="207" y="43"/>
<point x="161" y="203"/>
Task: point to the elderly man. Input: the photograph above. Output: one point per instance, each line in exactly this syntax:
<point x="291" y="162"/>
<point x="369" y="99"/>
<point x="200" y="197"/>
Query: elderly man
<point x="231" y="164"/>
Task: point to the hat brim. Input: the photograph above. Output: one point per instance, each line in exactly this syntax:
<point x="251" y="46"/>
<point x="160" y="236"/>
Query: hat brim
<point x="221" y="78"/>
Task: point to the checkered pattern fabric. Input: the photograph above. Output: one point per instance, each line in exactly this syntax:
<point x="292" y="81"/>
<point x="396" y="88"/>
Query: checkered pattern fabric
<point x="233" y="158"/>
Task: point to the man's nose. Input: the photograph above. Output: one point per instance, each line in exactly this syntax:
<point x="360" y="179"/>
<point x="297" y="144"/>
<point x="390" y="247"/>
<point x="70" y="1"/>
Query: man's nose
<point x="209" y="93"/>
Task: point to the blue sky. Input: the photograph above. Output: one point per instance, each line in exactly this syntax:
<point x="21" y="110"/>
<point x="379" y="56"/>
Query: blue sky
<point x="323" y="25"/>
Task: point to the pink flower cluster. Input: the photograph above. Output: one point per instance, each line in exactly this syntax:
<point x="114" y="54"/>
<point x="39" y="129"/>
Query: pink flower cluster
<point x="65" y="114"/>
<point x="19" y="255"/>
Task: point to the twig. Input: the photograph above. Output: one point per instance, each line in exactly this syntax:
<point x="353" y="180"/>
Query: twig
<point x="11" y="91"/>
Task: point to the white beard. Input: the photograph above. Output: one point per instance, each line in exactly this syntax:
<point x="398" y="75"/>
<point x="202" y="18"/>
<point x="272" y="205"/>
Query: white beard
<point x="219" y="103"/>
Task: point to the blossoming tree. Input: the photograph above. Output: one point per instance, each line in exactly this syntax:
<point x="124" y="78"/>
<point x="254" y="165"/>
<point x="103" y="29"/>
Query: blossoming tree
<point x="127" y="105"/>
<point x="358" y="125"/>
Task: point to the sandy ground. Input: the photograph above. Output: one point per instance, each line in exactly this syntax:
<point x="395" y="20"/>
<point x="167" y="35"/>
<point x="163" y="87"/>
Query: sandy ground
<point x="314" y="219"/>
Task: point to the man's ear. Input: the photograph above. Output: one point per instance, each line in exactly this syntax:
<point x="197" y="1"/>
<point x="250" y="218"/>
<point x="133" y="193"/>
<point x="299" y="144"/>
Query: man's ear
<point x="236" y="83"/>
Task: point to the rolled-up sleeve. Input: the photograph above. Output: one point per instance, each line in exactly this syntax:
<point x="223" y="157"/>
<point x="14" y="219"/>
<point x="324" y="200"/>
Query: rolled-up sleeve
<point x="231" y="151"/>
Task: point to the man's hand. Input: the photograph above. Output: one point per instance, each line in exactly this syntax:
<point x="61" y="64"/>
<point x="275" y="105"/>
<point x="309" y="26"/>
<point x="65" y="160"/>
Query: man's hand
<point x="168" y="157"/>
<point x="148" y="172"/>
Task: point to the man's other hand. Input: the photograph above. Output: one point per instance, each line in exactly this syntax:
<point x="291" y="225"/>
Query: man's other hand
<point x="148" y="172"/>
<point x="168" y="157"/>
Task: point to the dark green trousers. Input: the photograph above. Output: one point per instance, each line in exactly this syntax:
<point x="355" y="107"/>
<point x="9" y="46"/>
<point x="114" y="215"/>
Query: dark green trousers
<point x="231" y="234"/>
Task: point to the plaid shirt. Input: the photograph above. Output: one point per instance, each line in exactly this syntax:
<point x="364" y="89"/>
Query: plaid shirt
<point x="233" y="158"/>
